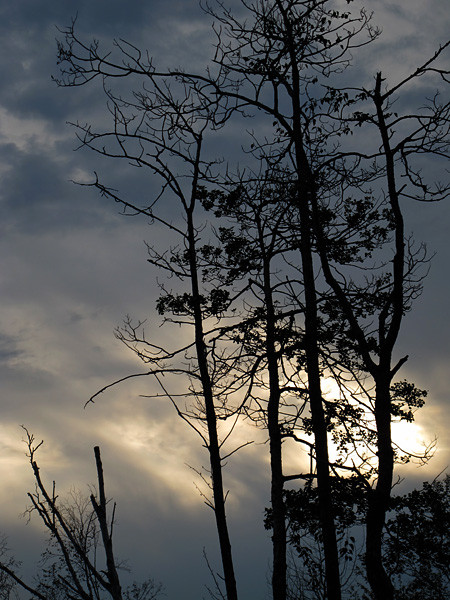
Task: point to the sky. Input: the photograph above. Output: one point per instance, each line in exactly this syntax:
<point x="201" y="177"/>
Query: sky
<point x="72" y="267"/>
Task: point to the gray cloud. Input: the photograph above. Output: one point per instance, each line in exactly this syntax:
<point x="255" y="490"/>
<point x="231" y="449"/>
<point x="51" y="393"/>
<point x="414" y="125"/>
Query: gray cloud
<point x="72" y="268"/>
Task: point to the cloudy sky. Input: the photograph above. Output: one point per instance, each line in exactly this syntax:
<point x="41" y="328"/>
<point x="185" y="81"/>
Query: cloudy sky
<point x="72" y="267"/>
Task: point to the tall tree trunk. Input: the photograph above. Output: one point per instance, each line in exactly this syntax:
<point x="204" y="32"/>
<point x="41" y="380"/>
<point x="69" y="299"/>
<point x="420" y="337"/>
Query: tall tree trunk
<point x="379" y="580"/>
<point x="379" y="497"/>
<point x="100" y="510"/>
<point x="207" y="389"/>
<point x="214" y="451"/>
<point x="305" y="189"/>
<point x="332" y="575"/>
<point x="279" y="584"/>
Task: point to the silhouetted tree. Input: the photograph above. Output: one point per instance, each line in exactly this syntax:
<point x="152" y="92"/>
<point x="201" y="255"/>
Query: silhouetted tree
<point x="162" y="129"/>
<point x="285" y="61"/>
<point x="374" y="332"/>
<point x="79" y="562"/>
<point x="256" y="239"/>
<point x="415" y="541"/>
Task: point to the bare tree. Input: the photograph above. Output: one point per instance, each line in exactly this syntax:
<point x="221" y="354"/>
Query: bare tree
<point x="162" y="129"/>
<point x="72" y="563"/>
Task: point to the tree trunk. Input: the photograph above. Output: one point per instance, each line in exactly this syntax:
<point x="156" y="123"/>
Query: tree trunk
<point x="100" y="510"/>
<point x="211" y="417"/>
<point x="318" y="417"/>
<point x="306" y="188"/>
<point x="379" y="498"/>
<point x="379" y="580"/>
<point x="214" y="456"/>
<point x="279" y="584"/>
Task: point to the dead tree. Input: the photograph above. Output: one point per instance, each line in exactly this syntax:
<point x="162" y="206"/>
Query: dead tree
<point x="72" y="564"/>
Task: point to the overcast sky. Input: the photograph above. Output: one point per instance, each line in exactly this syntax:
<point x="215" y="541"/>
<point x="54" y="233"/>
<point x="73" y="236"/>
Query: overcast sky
<point x="72" y="267"/>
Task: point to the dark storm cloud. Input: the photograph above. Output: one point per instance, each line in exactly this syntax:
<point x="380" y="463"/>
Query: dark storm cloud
<point x="35" y="143"/>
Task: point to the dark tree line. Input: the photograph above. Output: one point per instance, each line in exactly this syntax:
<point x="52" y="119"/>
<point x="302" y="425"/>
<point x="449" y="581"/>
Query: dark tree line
<point x="289" y="270"/>
<point x="415" y="540"/>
